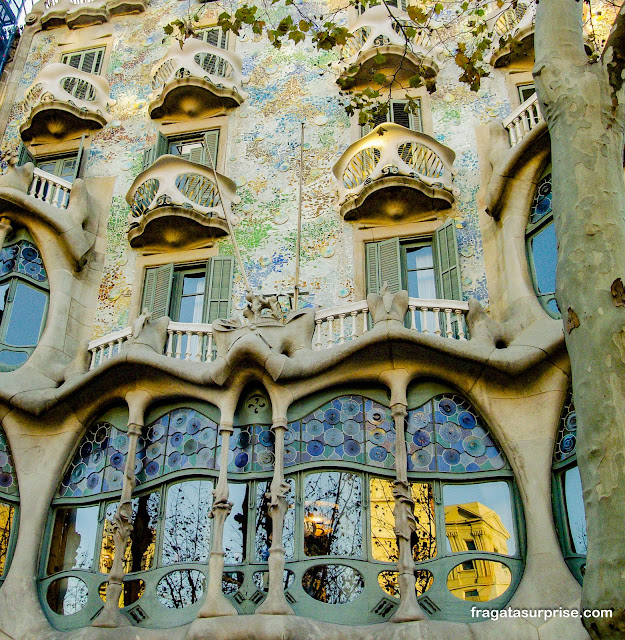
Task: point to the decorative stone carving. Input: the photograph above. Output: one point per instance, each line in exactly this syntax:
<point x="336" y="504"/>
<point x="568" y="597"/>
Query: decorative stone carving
<point x="56" y="13"/>
<point x="388" y="306"/>
<point x="195" y="79"/>
<point x="65" y="102"/>
<point x="394" y="174"/>
<point x="175" y="204"/>
<point x="148" y="332"/>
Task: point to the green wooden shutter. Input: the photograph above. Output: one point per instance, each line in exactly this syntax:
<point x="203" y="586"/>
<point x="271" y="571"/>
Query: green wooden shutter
<point x="211" y="146"/>
<point x="79" y="156"/>
<point x="449" y="284"/>
<point x="149" y="155"/>
<point x="383" y="265"/>
<point x="24" y="156"/>
<point x="220" y="272"/>
<point x="89" y="61"/>
<point x="157" y="290"/>
<point x="368" y="128"/>
<point x="162" y="145"/>
<point x="195" y="155"/>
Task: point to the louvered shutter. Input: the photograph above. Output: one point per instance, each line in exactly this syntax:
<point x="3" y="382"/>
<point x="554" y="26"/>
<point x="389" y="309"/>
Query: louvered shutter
<point x="24" y="156"/>
<point x="148" y="157"/>
<point x="220" y="272"/>
<point x="449" y="284"/>
<point x="161" y="147"/>
<point x="372" y="268"/>
<point x="89" y="61"/>
<point x="79" y="156"/>
<point x="211" y="146"/>
<point x="383" y="265"/>
<point x="157" y="290"/>
<point x="195" y="155"/>
<point x="368" y="128"/>
<point x="214" y="36"/>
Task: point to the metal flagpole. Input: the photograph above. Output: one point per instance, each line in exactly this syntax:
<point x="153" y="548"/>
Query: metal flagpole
<point x="298" y="238"/>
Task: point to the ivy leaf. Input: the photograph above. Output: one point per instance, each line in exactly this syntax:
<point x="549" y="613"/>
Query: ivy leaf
<point x="379" y="58"/>
<point x="379" y="78"/>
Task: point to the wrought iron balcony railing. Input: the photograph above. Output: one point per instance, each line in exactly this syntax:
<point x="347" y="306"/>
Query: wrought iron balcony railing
<point x="173" y="189"/>
<point x="64" y="101"/>
<point x="392" y="156"/>
<point x="194" y="79"/>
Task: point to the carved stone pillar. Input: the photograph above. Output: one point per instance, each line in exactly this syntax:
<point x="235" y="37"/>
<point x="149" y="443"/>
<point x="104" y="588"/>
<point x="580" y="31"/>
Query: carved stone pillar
<point x="216" y="604"/>
<point x="275" y="603"/>
<point x="111" y="616"/>
<point x="405" y="525"/>
<point x="5" y="229"/>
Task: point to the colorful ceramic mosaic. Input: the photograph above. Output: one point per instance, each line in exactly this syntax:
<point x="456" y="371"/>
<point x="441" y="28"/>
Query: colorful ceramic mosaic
<point x="22" y="257"/>
<point x="8" y="478"/>
<point x="447" y="434"/>
<point x="541" y="205"/>
<point x="566" y="441"/>
<point x="251" y="449"/>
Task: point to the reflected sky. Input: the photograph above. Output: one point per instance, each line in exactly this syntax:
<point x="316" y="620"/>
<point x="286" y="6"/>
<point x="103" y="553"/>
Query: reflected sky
<point x="575" y="509"/>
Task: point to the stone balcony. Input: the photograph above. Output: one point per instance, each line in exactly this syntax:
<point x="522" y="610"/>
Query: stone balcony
<point x="394" y="174"/>
<point x="523" y="120"/>
<point x="379" y="31"/>
<point x="84" y="13"/>
<point x="65" y="102"/>
<point x="510" y="21"/>
<point x="195" y="80"/>
<point x="177" y="204"/>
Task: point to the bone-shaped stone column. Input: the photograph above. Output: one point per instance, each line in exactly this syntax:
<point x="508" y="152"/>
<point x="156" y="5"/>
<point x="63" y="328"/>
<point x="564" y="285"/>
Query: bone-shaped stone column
<point x="111" y="616"/>
<point x="275" y="603"/>
<point x="216" y="603"/>
<point x="405" y="524"/>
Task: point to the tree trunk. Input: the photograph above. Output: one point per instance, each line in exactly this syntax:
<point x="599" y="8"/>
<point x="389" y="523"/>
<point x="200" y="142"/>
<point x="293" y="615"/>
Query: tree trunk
<point x="586" y="127"/>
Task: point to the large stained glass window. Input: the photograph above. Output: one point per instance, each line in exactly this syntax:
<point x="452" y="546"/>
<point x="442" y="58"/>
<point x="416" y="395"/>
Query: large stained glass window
<point x="567" y="495"/>
<point x="9" y="501"/>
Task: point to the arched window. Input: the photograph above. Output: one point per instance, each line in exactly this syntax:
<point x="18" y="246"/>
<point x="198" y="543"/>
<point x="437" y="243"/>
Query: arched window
<point x="23" y="301"/>
<point x="568" y="503"/>
<point x="540" y="238"/>
<point x="9" y="502"/>
<point x="338" y="535"/>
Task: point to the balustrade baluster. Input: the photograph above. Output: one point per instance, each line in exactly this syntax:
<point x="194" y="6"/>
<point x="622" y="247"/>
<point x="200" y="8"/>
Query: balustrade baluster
<point x="424" y="320"/>
<point x="170" y="343"/>
<point x="460" y="318"/>
<point x="188" y="352"/>
<point x="341" y="328"/>
<point x="178" y="345"/>
<point x="437" y="321"/>
<point x="318" y="329"/>
<point x="330" y="331"/>
<point x="413" y="320"/>
<point x="365" y="321"/>
<point x="449" y="329"/>
<point x="354" y="315"/>
<point x="101" y="358"/>
<point x="209" y="348"/>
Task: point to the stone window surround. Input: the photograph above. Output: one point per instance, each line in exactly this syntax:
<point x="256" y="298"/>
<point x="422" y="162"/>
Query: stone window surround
<point x="91" y="38"/>
<point x="424" y="229"/>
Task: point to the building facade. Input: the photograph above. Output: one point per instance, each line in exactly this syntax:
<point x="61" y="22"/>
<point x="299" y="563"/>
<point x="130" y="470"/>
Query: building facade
<point x="261" y="379"/>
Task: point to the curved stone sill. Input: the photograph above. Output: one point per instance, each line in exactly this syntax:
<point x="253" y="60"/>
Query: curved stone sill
<point x="43" y="122"/>
<point x="407" y="63"/>
<point x="193" y="98"/>
<point x="173" y="227"/>
<point x="393" y="199"/>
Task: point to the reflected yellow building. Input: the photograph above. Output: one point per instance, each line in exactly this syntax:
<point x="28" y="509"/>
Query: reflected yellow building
<point x="475" y="527"/>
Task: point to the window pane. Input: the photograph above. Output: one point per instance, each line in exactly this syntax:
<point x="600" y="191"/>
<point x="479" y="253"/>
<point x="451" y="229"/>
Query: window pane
<point x="575" y="510"/>
<point x="482" y="581"/>
<point x="479" y="515"/>
<point x="544" y="252"/>
<point x="4" y="294"/>
<point x="193" y="283"/>
<point x="26" y="318"/>
<point x="186" y="531"/>
<point x="264" y="524"/>
<point x="383" y="539"/>
<point x="235" y="527"/>
<point x="191" y="309"/>
<point x="140" y="548"/>
<point x="13" y="358"/>
<point x="7" y="512"/>
<point x="421" y="284"/>
<point x="73" y="539"/>
<point x="333" y="514"/>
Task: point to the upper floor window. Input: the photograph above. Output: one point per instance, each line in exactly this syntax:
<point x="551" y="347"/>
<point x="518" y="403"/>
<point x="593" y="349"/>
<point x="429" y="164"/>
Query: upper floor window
<point x="88" y="60"/>
<point x="397" y="114"/>
<point x="526" y="91"/>
<point x="428" y="268"/>
<point x="568" y="501"/>
<point x="213" y="35"/>
<point x="400" y="4"/>
<point x="201" y="147"/>
<point x="23" y="301"/>
<point x="9" y="500"/>
<point x="540" y="237"/>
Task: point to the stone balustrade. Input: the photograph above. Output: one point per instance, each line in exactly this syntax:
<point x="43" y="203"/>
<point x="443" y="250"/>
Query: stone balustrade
<point x="50" y="189"/>
<point x="334" y="326"/>
<point x="391" y="152"/>
<point x="65" y="101"/>
<point x="193" y="80"/>
<point x="380" y="29"/>
<point x="522" y="120"/>
<point x="171" y="189"/>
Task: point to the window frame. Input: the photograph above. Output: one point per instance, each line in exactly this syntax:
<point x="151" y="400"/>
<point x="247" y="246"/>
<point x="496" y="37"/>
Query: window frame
<point x="82" y="53"/>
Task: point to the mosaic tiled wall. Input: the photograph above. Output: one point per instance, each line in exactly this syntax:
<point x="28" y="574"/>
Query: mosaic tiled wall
<point x="285" y="86"/>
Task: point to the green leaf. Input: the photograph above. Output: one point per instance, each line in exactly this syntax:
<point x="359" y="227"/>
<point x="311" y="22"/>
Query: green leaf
<point x="379" y="58"/>
<point x="379" y="78"/>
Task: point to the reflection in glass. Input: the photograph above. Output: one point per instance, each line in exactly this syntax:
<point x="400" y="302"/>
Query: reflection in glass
<point x="483" y="507"/>
<point x="333" y="583"/>
<point x="186" y="530"/>
<point x="27" y="314"/>
<point x="264" y="523"/>
<point x="7" y="512"/>
<point x="73" y="539"/>
<point x="383" y="538"/>
<point x="140" y="549"/>
<point x="132" y="591"/>
<point x="67" y="596"/>
<point x="235" y="527"/>
<point x="4" y="295"/>
<point x="261" y="579"/>
<point x="544" y="252"/>
<point x="575" y="510"/>
<point x="388" y="581"/>
<point x="485" y="580"/>
<point x="179" y="589"/>
<point x="231" y="582"/>
<point x="333" y="514"/>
